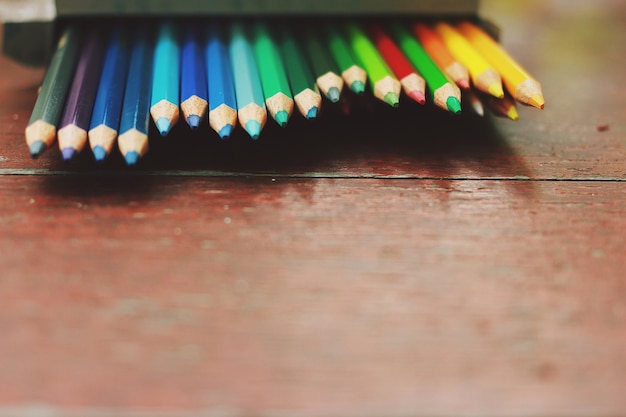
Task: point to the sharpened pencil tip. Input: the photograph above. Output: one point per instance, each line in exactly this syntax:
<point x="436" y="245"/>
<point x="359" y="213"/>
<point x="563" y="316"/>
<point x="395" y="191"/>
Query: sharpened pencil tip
<point x="464" y="84"/>
<point x="418" y="96"/>
<point x="495" y="89"/>
<point x="513" y="114"/>
<point x="194" y="121"/>
<point x="312" y="113"/>
<point x="454" y="105"/>
<point x="68" y="154"/>
<point x="37" y="148"/>
<point x="253" y="128"/>
<point x="163" y="125"/>
<point x="334" y="94"/>
<point x="537" y="100"/>
<point x="131" y="158"/>
<point x="226" y="131"/>
<point x="392" y="99"/>
<point x="358" y="87"/>
<point x="99" y="153"/>
<point x="282" y="117"/>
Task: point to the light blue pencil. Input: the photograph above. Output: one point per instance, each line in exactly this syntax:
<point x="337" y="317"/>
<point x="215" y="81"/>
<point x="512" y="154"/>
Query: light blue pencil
<point x="105" y="118"/>
<point x="166" y="79"/>
<point x="135" y="121"/>
<point x="248" y="89"/>
<point x="222" y="101"/>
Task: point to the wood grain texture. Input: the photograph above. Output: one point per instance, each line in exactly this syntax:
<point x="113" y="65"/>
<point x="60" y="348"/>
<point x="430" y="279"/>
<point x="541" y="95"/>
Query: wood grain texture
<point x="375" y="297"/>
<point x="474" y="268"/>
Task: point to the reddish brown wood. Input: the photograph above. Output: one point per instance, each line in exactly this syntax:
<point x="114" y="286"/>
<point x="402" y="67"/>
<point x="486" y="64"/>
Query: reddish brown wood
<point x="320" y="297"/>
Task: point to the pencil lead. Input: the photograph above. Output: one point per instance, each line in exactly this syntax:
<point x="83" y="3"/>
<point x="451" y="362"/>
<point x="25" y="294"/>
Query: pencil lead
<point x="163" y="125"/>
<point x="495" y="89"/>
<point x="194" y="121"/>
<point x="226" y="131"/>
<point x="464" y="84"/>
<point x="392" y="99"/>
<point x="454" y="105"/>
<point x="253" y="128"/>
<point x="513" y="114"/>
<point x="131" y="158"/>
<point x="358" y="86"/>
<point x="282" y="117"/>
<point x="37" y="148"/>
<point x="334" y="94"/>
<point x="312" y="113"/>
<point x="99" y="153"/>
<point x="418" y="96"/>
<point x="536" y="100"/>
<point x="68" y="154"/>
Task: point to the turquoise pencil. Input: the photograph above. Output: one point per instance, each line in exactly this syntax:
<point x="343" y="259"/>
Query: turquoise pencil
<point x="166" y="79"/>
<point x="251" y="108"/>
<point x="135" y="121"/>
<point x="222" y="101"/>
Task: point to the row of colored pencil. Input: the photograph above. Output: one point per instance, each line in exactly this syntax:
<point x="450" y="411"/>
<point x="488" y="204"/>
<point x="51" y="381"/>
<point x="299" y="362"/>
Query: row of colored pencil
<point x="104" y="85"/>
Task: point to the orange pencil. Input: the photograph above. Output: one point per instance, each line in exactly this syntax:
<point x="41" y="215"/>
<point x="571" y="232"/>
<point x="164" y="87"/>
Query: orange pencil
<point x="439" y="52"/>
<point x="517" y="81"/>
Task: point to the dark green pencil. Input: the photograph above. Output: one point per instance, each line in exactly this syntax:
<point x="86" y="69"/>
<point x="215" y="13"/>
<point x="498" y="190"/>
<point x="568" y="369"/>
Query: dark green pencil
<point x="351" y="70"/>
<point x="324" y="67"/>
<point x="41" y="131"/>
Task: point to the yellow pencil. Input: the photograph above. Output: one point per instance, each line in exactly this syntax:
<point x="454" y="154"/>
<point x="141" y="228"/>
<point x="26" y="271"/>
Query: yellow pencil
<point x="484" y="76"/>
<point x="501" y="107"/>
<point x="517" y="81"/>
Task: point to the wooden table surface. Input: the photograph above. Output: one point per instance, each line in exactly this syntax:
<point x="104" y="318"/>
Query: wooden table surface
<point x="413" y="265"/>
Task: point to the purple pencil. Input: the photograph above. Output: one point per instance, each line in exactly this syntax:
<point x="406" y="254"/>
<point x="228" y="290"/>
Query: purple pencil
<point x="76" y="115"/>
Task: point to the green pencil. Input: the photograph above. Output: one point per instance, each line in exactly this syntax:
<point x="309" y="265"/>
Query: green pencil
<point x="324" y="67"/>
<point x="278" y="98"/>
<point x="305" y="92"/>
<point x="385" y="85"/>
<point x="41" y="131"/>
<point x="444" y="93"/>
<point x="351" y="71"/>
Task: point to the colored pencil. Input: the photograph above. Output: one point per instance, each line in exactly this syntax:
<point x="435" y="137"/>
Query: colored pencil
<point x="74" y="123"/>
<point x="164" y="106"/>
<point x="325" y="69"/>
<point x="222" y="101"/>
<point x="413" y="84"/>
<point x="470" y="98"/>
<point x="439" y="53"/>
<point x="278" y="97"/>
<point x="351" y="71"/>
<point x="483" y="75"/>
<point x="251" y="109"/>
<point x="385" y="85"/>
<point x="135" y="120"/>
<point x="41" y="130"/>
<point x="193" y="82"/>
<point x="517" y="81"/>
<point x="301" y="79"/>
<point x="445" y="94"/>
<point x="501" y="107"/>
<point x="105" y="118"/>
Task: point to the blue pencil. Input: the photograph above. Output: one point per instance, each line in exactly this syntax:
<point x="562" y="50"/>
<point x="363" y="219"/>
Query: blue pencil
<point x="166" y="79"/>
<point x="248" y="89"/>
<point x="76" y="115"/>
<point x="222" y="101"/>
<point x="105" y="118"/>
<point x="135" y="120"/>
<point x="193" y="82"/>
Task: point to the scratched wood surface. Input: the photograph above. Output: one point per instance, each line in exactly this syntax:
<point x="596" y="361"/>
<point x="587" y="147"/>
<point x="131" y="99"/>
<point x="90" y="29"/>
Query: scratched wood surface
<point x="426" y="266"/>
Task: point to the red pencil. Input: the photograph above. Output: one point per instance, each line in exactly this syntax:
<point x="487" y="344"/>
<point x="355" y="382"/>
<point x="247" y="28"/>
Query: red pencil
<point x="412" y="83"/>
